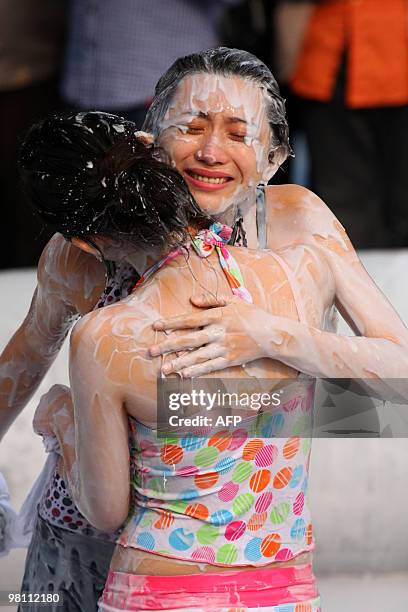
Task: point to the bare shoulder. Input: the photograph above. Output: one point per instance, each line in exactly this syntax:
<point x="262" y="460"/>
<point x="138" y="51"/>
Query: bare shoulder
<point x="66" y="271"/>
<point x="112" y="346"/>
<point x="123" y="328"/>
<point x="299" y="216"/>
<point x="98" y="323"/>
<point x="295" y="200"/>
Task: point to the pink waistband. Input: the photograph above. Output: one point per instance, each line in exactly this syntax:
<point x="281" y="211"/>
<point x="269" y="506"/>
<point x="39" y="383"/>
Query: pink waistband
<point x="250" y="588"/>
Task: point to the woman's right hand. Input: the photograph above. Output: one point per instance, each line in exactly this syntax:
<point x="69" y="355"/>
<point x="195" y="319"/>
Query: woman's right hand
<point x="57" y="401"/>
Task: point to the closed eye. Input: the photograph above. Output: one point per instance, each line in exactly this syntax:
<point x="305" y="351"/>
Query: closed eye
<point x="194" y="130"/>
<point x="238" y="137"/>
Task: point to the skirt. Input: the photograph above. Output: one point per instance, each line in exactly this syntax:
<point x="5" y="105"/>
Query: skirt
<point x="72" y="565"/>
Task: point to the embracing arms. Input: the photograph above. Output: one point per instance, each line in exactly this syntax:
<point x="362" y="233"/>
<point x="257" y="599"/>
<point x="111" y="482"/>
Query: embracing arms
<point x="238" y="333"/>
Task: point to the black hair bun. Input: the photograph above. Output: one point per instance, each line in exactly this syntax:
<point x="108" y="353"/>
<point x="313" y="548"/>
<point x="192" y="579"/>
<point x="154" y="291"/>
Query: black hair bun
<point x="87" y="174"/>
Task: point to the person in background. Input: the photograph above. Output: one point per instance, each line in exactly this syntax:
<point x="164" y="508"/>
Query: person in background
<point x="31" y="35"/>
<point x="116" y="51"/>
<point x="351" y="74"/>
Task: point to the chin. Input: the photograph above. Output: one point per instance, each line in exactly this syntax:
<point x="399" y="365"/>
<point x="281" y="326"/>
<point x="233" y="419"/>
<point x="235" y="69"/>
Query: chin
<point x="214" y="205"/>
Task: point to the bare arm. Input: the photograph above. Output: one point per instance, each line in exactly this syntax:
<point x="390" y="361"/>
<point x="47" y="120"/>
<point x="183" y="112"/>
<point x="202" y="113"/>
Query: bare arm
<point x="90" y="423"/>
<point x="98" y="469"/>
<point x="381" y="346"/>
<point x="239" y="333"/>
<point x="69" y="283"/>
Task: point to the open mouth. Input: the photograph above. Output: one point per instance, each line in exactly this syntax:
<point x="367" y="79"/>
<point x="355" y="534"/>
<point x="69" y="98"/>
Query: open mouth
<point x="207" y="179"/>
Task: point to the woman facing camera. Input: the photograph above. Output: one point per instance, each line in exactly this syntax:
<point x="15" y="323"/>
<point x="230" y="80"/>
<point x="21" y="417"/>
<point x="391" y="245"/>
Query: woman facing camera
<point x="220" y="118"/>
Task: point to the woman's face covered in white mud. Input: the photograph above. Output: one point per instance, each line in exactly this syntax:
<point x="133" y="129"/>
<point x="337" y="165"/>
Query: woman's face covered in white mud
<point x="217" y="134"/>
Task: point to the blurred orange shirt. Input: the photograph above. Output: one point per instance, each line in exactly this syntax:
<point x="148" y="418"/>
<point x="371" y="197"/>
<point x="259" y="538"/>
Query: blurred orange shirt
<point x="375" y="34"/>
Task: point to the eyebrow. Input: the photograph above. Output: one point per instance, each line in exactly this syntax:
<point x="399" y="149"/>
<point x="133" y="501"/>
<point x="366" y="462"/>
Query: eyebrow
<point x="202" y="115"/>
<point x="237" y="120"/>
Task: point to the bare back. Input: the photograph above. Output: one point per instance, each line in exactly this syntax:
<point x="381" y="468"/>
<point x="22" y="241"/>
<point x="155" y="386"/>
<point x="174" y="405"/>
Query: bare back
<point x="291" y="283"/>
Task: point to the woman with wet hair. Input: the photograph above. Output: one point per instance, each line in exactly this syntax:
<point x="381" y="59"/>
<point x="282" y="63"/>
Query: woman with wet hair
<point x="91" y="178"/>
<point x="91" y="173"/>
<point x="239" y="91"/>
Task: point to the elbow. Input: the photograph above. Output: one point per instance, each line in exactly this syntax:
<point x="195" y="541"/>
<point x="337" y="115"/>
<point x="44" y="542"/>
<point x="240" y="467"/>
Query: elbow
<point x="108" y="523"/>
<point x="106" y="516"/>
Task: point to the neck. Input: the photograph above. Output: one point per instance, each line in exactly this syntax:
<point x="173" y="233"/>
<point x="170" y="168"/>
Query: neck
<point x="249" y="223"/>
<point x="141" y="261"/>
<point x="244" y="207"/>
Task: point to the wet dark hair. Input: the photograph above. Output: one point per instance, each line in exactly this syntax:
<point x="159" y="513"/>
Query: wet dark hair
<point x="225" y="62"/>
<point x="86" y="174"/>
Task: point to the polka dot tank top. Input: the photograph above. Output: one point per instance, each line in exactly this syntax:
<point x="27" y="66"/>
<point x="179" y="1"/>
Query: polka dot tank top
<point x="226" y="497"/>
<point x="231" y="497"/>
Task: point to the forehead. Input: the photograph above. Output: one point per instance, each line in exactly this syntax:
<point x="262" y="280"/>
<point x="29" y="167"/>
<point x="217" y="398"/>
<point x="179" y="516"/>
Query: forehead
<point x="212" y="93"/>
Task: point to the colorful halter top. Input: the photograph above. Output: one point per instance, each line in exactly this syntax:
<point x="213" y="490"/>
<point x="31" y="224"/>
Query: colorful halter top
<point x="204" y="244"/>
<point x="231" y="497"/>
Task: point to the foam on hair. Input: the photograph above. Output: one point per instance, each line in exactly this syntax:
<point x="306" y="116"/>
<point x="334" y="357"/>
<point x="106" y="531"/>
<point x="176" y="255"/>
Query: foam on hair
<point x="226" y="62"/>
<point x="87" y="174"/>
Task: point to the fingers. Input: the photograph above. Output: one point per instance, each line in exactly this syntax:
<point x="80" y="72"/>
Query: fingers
<point x="49" y="403"/>
<point x="189" y="321"/>
<point x="56" y="391"/>
<point x="193" y="358"/>
<point x="51" y="398"/>
<point x="41" y="421"/>
<point x="206" y="300"/>
<point x="220" y="363"/>
<point x="180" y="343"/>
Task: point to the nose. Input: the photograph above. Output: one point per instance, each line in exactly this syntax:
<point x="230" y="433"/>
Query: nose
<point x="211" y="151"/>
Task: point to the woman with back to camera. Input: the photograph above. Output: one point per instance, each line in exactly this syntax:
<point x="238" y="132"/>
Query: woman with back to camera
<point x="67" y="165"/>
<point x="220" y="144"/>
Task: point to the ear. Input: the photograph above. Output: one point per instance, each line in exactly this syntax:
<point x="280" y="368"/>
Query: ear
<point x="85" y="246"/>
<point x="276" y="159"/>
<point x="277" y="156"/>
